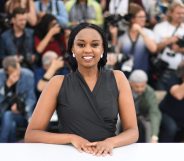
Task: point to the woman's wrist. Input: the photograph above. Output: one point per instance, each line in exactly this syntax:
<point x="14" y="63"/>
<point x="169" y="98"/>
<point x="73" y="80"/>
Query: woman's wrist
<point x="72" y="138"/>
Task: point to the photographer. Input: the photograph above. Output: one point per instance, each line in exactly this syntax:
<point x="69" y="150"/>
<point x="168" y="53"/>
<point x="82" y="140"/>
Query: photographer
<point x="169" y="35"/>
<point x="18" y="40"/>
<point x="51" y="65"/>
<point x="49" y="36"/>
<point x="172" y="108"/>
<point x="17" y="98"/>
<point x="138" y="42"/>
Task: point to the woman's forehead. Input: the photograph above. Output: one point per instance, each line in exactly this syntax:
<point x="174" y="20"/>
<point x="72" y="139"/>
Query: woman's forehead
<point x="88" y="34"/>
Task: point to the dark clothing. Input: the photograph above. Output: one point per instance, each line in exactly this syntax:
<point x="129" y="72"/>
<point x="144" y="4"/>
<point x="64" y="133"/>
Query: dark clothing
<point x="10" y="122"/>
<point x="173" y="120"/>
<point x="174" y="108"/>
<point x="89" y="114"/>
<point x="57" y="46"/>
<point x="10" y="45"/>
<point x="169" y="129"/>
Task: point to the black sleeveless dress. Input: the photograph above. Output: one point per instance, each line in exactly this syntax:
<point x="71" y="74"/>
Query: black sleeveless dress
<point x="89" y="114"/>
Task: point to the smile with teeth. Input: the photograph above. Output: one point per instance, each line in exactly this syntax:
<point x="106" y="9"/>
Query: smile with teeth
<point x="87" y="57"/>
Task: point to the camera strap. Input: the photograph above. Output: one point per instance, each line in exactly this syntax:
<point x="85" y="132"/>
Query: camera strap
<point x="132" y="49"/>
<point x="176" y="29"/>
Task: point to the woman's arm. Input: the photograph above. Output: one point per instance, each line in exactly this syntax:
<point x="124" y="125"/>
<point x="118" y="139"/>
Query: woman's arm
<point x="150" y="43"/>
<point x="41" y="116"/>
<point x="36" y="131"/>
<point x="127" y="113"/>
<point x="45" y="41"/>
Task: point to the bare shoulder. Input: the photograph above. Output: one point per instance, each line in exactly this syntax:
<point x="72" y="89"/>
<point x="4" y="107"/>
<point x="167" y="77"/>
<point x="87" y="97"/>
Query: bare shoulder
<point x="119" y="75"/>
<point x="55" y="84"/>
<point x="121" y="79"/>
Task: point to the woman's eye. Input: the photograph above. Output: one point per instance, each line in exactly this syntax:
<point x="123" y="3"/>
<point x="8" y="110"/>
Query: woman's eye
<point x="95" y="45"/>
<point x="81" y="45"/>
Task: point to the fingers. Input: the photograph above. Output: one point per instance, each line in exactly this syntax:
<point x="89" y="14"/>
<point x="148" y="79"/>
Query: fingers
<point x="91" y="144"/>
<point x="79" y="149"/>
<point x="95" y="148"/>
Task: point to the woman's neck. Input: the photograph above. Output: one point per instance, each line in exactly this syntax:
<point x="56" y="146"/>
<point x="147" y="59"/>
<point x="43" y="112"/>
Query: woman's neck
<point x="133" y="34"/>
<point x="89" y="73"/>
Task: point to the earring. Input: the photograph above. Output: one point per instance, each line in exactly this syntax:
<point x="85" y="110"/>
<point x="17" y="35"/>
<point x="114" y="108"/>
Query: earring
<point x="73" y="55"/>
<point x="101" y="56"/>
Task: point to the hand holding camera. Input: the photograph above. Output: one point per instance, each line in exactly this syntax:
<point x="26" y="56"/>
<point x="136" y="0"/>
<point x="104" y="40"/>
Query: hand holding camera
<point x="55" y="29"/>
<point x="57" y="64"/>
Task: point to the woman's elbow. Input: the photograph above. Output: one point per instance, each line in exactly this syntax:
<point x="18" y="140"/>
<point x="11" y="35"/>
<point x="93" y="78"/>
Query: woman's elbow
<point x="136" y="134"/>
<point x="27" y="136"/>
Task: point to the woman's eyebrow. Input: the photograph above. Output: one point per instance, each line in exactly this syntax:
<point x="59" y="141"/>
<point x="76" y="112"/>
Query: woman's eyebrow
<point x="92" y="40"/>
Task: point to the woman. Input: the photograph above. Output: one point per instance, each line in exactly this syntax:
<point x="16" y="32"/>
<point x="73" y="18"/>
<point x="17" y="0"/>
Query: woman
<point x="138" y="42"/>
<point x="87" y="100"/>
<point x="49" y="36"/>
<point x="27" y="4"/>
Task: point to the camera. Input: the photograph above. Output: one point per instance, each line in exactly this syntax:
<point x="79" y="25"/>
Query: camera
<point x="115" y="18"/>
<point x="180" y="42"/>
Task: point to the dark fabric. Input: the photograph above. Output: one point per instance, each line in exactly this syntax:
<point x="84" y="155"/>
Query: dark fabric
<point x="168" y="129"/>
<point x="174" y="108"/>
<point x="89" y="114"/>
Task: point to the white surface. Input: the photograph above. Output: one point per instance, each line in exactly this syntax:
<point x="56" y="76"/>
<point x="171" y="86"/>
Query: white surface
<point x="49" y="152"/>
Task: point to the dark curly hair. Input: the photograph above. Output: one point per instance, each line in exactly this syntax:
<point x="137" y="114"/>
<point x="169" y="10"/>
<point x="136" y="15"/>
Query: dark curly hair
<point x="74" y="32"/>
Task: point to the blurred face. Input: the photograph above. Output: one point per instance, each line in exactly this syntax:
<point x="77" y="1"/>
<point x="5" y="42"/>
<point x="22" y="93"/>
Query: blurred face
<point x="13" y="71"/>
<point x="19" y="21"/>
<point x="52" y="23"/>
<point x="138" y="88"/>
<point x="140" y="18"/>
<point x="178" y="14"/>
<point x="88" y="47"/>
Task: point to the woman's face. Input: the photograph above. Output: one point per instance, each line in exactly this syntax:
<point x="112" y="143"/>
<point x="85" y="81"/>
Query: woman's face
<point x="140" y="18"/>
<point x="88" y="47"/>
<point x="52" y="24"/>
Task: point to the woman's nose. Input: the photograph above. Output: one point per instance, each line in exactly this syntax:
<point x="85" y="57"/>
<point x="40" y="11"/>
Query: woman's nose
<point x="87" y="48"/>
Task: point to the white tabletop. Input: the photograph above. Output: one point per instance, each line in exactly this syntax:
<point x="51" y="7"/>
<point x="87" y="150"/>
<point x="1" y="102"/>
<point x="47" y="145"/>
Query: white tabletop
<point x="49" y="152"/>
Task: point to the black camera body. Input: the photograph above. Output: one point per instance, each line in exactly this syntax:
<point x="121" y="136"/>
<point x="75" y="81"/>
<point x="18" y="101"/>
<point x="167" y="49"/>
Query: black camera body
<point x="180" y="42"/>
<point x="115" y="18"/>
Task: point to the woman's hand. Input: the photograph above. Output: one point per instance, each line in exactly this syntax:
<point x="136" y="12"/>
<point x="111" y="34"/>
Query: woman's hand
<point x="81" y="144"/>
<point x="55" y="30"/>
<point x="102" y="147"/>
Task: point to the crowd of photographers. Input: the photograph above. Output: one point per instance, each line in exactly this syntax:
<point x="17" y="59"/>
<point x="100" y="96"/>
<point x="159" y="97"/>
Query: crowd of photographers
<point x="146" y="42"/>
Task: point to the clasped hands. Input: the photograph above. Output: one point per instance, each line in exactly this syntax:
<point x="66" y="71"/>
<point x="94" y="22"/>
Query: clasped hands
<point x="99" y="148"/>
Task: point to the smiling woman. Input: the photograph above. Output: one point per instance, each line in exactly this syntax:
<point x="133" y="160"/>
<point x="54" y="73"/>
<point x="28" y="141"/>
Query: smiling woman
<point x="87" y="101"/>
